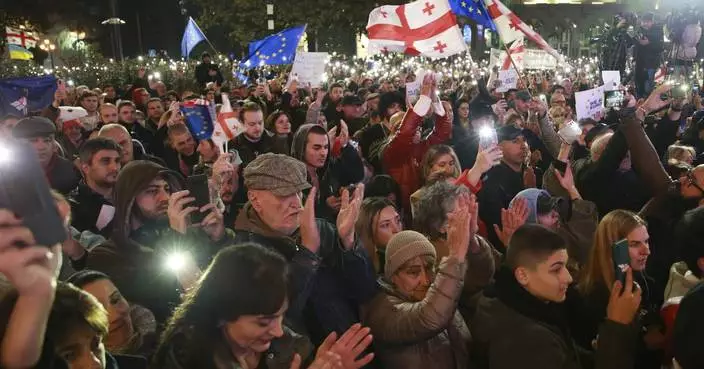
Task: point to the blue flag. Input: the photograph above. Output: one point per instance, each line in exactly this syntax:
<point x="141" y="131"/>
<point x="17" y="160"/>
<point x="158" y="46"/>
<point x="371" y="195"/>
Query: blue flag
<point x="199" y="115"/>
<point x="192" y="36"/>
<point x="279" y="48"/>
<point x="474" y="10"/>
<point x="20" y="96"/>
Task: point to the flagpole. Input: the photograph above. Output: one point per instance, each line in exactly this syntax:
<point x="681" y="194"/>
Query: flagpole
<point x="513" y="63"/>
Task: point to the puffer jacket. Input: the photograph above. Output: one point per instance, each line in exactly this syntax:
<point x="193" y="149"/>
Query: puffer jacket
<point x="401" y="157"/>
<point x="421" y="334"/>
<point x="482" y="262"/>
<point x="681" y="281"/>
<point x="178" y="352"/>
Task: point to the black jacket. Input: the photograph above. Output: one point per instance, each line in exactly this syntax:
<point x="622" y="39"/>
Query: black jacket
<point x="689" y="330"/>
<point x="649" y="56"/>
<point x="203" y="77"/>
<point x="62" y="175"/>
<point x="499" y="186"/>
<point x="513" y="329"/>
<point x="86" y="206"/>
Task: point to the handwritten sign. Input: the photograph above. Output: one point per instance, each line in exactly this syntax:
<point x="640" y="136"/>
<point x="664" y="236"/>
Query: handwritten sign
<point x="612" y="79"/>
<point x="309" y="68"/>
<point x="509" y="80"/>
<point x="590" y="103"/>
<point x="532" y="59"/>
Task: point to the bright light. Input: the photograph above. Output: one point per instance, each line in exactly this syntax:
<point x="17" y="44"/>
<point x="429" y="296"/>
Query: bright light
<point x="5" y="153"/>
<point x="70" y="82"/>
<point x="486" y="132"/>
<point x="176" y="261"/>
<point x="157" y="75"/>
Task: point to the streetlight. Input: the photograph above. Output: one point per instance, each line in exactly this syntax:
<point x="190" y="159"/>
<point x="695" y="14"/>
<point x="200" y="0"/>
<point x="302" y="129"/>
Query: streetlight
<point x="115" y="37"/>
<point x="49" y="47"/>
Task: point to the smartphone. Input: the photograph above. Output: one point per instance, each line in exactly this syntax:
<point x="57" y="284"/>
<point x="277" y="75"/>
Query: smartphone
<point x="695" y="90"/>
<point x="61" y="85"/>
<point x="621" y="260"/>
<point x="560" y="166"/>
<point x="614" y="99"/>
<point x="197" y="187"/>
<point x="25" y="191"/>
<point x="487" y="138"/>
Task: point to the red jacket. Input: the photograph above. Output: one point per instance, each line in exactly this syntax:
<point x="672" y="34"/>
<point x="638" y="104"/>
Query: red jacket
<point x="402" y="157"/>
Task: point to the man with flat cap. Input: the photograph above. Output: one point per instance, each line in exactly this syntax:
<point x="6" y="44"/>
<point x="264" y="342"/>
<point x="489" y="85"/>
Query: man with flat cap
<point x="330" y="271"/>
<point x="40" y="132"/>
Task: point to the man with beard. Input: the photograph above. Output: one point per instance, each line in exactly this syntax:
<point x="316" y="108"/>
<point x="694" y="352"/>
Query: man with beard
<point x="89" y="101"/>
<point x="181" y="156"/>
<point x="331" y="275"/>
<point x="125" y="114"/>
<point x="226" y="177"/>
<point x="254" y="139"/>
<point x="206" y="71"/>
<point x="150" y="134"/>
<point x="39" y="132"/>
<point x="91" y="201"/>
<point x="152" y="233"/>
<point x="331" y="102"/>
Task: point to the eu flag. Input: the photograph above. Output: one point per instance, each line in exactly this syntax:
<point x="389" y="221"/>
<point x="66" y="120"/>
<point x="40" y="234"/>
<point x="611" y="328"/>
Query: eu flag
<point x="279" y="48"/>
<point x="199" y="115"/>
<point x="474" y="10"/>
<point x="22" y="95"/>
<point x="192" y="36"/>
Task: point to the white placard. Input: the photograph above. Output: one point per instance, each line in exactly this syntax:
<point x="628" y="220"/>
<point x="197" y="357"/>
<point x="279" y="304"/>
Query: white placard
<point x="309" y="68"/>
<point x="532" y="59"/>
<point x="590" y="103"/>
<point x="612" y="79"/>
<point x="509" y="80"/>
<point x="413" y="88"/>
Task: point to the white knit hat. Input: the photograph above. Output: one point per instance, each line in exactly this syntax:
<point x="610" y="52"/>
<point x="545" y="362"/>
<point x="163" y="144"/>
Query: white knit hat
<point x="403" y="247"/>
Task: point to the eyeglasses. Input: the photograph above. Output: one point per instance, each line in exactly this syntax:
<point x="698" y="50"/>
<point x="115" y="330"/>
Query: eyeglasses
<point x="693" y="181"/>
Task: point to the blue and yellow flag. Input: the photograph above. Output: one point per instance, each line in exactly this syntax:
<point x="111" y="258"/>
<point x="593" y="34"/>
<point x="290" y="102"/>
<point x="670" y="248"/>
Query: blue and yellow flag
<point x="19" y="52"/>
<point x="277" y="49"/>
<point x="199" y="116"/>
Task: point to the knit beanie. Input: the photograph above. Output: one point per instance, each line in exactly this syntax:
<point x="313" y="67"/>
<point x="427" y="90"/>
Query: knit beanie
<point x="403" y="247"/>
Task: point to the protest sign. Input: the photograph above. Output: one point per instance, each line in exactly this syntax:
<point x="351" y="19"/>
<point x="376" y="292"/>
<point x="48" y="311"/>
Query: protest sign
<point x="590" y="103"/>
<point x="509" y="80"/>
<point x="413" y="88"/>
<point x="532" y="59"/>
<point x="308" y="68"/>
<point x="612" y="79"/>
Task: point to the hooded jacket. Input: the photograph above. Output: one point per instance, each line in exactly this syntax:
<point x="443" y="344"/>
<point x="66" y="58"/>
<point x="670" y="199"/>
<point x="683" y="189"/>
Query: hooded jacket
<point x="578" y="222"/>
<point x="431" y="333"/>
<point x="327" y="287"/>
<point x="134" y="259"/>
<point x="335" y="174"/>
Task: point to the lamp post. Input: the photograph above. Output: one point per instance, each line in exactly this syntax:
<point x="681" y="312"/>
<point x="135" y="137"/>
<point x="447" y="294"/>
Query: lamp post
<point x="115" y="36"/>
<point x="270" y="14"/>
<point x="49" y="47"/>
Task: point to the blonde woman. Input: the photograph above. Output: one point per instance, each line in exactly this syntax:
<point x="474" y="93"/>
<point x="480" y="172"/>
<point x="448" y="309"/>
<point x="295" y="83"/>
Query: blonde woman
<point x="598" y="277"/>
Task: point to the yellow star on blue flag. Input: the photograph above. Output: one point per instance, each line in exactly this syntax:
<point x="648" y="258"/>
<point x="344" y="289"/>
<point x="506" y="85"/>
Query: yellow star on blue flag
<point x="474" y="10"/>
<point x="199" y="116"/>
<point x="279" y="48"/>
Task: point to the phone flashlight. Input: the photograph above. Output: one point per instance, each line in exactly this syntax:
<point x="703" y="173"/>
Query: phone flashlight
<point x="176" y="261"/>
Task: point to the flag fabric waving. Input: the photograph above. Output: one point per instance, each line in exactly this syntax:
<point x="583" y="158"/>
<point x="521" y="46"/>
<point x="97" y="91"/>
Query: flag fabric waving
<point x="423" y="27"/>
<point x="276" y="49"/>
<point x="19" y="52"/>
<point x="199" y="116"/>
<point x="517" y="52"/>
<point x="20" y="37"/>
<point x="511" y="27"/>
<point x="474" y="10"/>
<point x="192" y="36"/>
<point x="18" y="96"/>
<point x="228" y="125"/>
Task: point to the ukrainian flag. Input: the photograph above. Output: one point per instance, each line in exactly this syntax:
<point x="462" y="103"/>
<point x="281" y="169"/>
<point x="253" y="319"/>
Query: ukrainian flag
<point x="19" y="52"/>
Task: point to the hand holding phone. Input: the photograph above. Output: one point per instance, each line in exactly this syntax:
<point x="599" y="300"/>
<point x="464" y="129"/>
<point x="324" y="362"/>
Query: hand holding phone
<point x="198" y="189"/>
<point x="621" y="260"/>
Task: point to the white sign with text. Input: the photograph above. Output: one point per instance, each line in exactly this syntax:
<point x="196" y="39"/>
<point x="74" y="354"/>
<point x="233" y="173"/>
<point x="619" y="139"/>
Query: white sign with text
<point x="590" y="103"/>
<point x="309" y="68"/>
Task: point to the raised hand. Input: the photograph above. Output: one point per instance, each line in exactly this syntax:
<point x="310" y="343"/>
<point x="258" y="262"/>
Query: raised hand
<point x="349" y="211"/>
<point x="426" y="89"/>
<point x="178" y="212"/>
<point x="310" y="237"/>
<point x="654" y="102"/>
<point x="567" y="182"/>
<point x="486" y="159"/>
<point x="214" y="223"/>
<point x="529" y="180"/>
<point x="511" y="220"/>
<point x="459" y="227"/>
<point x="351" y="344"/>
<point x="624" y="301"/>
<point x="344" y="133"/>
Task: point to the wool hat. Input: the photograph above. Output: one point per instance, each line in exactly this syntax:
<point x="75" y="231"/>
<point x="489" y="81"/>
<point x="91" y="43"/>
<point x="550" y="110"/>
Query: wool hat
<point x="403" y="247"/>
<point x="280" y="174"/>
<point x="33" y="127"/>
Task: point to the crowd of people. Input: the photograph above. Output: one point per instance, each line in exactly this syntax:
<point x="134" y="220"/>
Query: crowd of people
<point x="354" y="226"/>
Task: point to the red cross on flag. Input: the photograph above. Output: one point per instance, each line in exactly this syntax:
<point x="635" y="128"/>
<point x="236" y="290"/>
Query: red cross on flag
<point x="20" y="37"/>
<point x="518" y="52"/>
<point x="511" y="28"/>
<point x="228" y="126"/>
<point x="423" y="27"/>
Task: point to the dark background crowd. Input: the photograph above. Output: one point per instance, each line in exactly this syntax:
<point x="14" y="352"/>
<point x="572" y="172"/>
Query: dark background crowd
<point x="355" y="226"/>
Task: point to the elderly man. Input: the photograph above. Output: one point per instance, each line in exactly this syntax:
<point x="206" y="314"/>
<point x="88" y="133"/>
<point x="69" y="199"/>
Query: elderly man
<point x="331" y="274"/>
<point x="119" y="134"/>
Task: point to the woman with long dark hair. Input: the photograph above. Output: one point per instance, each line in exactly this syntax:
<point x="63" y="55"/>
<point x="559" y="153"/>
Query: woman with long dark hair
<point x="233" y="317"/>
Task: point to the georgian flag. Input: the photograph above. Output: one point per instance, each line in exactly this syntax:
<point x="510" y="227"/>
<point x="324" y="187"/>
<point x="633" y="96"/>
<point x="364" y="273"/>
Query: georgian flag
<point x="423" y="27"/>
<point x="227" y="127"/>
<point x="511" y="28"/>
<point x="16" y="36"/>
<point x="517" y="52"/>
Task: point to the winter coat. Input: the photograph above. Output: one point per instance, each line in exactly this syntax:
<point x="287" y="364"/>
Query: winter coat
<point x="650" y="56"/>
<point x="689" y="329"/>
<point x="203" y="77"/>
<point x="481" y="262"/>
<point x="86" y="206"/>
<point x="327" y="287"/>
<point x="412" y="334"/>
<point x="249" y="150"/>
<point x="401" y="157"/>
<point x="514" y="329"/>
<point x="62" y="175"/>
<point x="335" y="174"/>
<point x="178" y="353"/>
<point x="499" y="186"/>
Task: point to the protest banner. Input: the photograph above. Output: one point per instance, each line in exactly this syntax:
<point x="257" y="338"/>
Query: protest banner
<point x="309" y="68"/>
<point x="532" y="59"/>
<point x="509" y="80"/>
